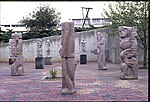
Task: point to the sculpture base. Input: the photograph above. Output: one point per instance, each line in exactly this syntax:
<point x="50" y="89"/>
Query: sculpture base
<point x="65" y="91"/>
<point x="18" y="71"/>
<point x="48" y="61"/>
<point x="10" y="61"/>
<point x="18" y="74"/>
<point x="130" y="78"/>
<point x="83" y="59"/>
<point x="103" y="69"/>
<point x="39" y="63"/>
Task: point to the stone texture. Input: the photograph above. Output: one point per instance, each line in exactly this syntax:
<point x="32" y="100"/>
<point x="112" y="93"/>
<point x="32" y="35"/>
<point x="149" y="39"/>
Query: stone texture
<point x="39" y="60"/>
<point x="128" y="54"/>
<point x="83" y="46"/>
<point x="67" y="58"/>
<point x="39" y="47"/>
<point x="48" y="47"/>
<point x="101" y="51"/>
<point x="83" y="59"/>
<point x="39" y="63"/>
<point x="16" y="54"/>
<point x="11" y="61"/>
<point x="48" y="60"/>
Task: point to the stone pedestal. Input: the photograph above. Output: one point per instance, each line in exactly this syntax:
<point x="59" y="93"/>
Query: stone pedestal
<point x="83" y="59"/>
<point x="39" y="63"/>
<point x="48" y="61"/>
<point x="10" y="61"/>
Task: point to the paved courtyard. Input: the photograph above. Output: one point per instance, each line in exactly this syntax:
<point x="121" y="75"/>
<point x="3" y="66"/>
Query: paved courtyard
<point x="91" y="84"/>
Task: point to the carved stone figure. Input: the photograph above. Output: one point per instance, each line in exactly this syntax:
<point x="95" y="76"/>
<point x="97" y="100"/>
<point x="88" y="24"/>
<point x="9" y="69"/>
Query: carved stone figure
<point x="16" y="54"/>
<point x="67" y="58"/>
<point x="10" y="48"/>
<point x="128" y="44"/>
<point x="48" y="47"/>
<point x="101" y="51"/>
<point x="39" y="59"/>
<point x="48" y="58"/>
<point x="39" y="48"/>
<point x="83" y="47"/>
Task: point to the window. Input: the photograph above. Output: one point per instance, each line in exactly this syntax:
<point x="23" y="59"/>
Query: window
<point x="6" y="25"/>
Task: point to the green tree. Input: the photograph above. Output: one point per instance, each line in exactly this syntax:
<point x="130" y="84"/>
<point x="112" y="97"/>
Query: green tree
<point x="4" y="37"/>
<point x="129" y="13"/>
<point x="44" y="19"/>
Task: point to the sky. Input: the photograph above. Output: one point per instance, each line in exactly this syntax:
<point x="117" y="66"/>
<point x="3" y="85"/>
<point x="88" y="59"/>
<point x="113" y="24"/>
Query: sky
<point x="11" y="12"/>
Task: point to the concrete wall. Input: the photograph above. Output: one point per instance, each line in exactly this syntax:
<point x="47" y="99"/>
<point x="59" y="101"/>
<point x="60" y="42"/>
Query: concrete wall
<point x="4" y="52"/>
<point x="112" y="47"/>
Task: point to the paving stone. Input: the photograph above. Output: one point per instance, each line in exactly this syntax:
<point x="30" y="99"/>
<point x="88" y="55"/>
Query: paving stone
<point x="31" y="87"/>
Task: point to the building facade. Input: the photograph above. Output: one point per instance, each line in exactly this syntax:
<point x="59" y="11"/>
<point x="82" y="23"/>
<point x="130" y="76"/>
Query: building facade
<point x="13" y="27"/>
<point x="96" y="22"/>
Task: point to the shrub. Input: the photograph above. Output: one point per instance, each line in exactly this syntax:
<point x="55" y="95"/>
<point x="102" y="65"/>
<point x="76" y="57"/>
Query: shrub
<point x="53" y="73"/>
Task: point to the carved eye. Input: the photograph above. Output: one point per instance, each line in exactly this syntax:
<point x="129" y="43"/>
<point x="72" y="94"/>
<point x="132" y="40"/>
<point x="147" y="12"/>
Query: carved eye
<point x="119" y="31"/>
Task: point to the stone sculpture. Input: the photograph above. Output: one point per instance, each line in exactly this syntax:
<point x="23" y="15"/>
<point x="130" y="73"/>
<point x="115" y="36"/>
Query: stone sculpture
<point x="39" y="59"/>
<point x="67" y="58"/>
<point x="39" y="47"/>
<point x="83" y="56"/>
<point x="16" y="54"/>
<point x="83" y="47"/>
<point x="128" y="44"/>
<point x="48" y="58"/>
<point x="10" y="52"/>
<point x="10" y="48"/>
<point x="101" y="51"/>
<point x="48" y="47"/>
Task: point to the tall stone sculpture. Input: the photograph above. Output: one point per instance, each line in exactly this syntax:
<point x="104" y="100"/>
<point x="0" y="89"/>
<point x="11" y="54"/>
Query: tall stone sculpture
<point x="10" y="52"/>
<point x="48" y="47"/>
<point x="83" y="46"/>
<point x="16" y="54"/>
<point x="48" y="58"/>
<point x="39" y="47"/>
<point x="101" y="51"/>
<point x="83" y="56"/>
<point x="39" y="59"/>
<point x="67" y="58"/>
<point x="128" y="44"/>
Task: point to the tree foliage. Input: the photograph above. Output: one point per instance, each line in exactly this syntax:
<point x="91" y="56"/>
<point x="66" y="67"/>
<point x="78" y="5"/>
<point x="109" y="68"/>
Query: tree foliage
<point x="33" y="35"/>
<point x="4" y="37"/>
<point x="44" y="19"/>
<point x="129" y="13"/>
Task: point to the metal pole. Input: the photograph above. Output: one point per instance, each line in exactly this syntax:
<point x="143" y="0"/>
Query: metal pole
<point x="86" y="17"/>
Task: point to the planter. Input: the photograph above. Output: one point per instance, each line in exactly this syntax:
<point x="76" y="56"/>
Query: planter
<point x="47" y="78"/>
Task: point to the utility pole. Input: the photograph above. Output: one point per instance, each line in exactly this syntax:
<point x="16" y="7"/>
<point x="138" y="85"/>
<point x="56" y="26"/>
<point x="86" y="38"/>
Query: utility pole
<point x="86" y="17"/>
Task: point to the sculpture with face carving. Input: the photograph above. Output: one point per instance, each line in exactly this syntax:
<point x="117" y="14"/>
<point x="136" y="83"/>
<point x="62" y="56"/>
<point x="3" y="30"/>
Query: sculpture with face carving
<point x="67" y="58"/>
<point x="128" y="45"/>
<point x="83" y="46"/>
<point x="16" y="54"/>
<point x="39" y="47"/>
<point x="101" y="51"/>
<point x="48" y="47"/>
